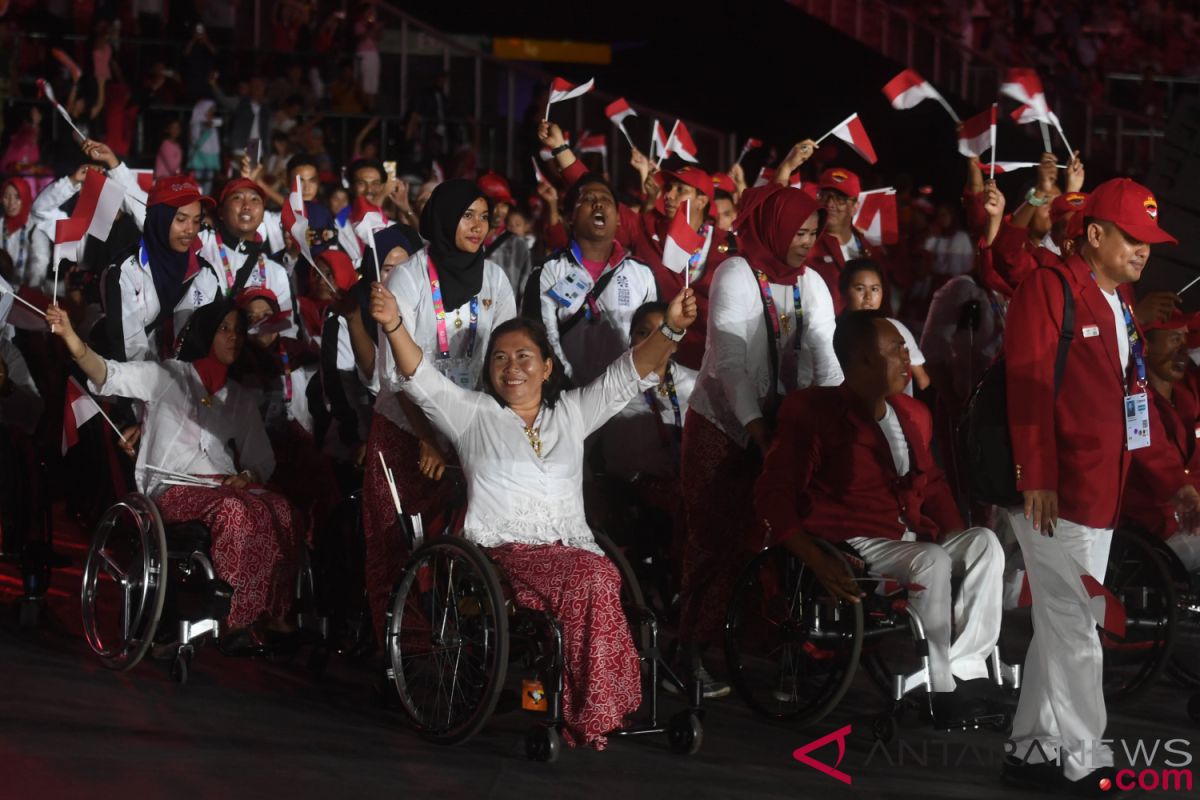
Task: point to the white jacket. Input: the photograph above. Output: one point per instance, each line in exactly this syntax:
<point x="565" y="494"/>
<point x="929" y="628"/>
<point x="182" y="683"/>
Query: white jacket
<point x="267" y="273"/>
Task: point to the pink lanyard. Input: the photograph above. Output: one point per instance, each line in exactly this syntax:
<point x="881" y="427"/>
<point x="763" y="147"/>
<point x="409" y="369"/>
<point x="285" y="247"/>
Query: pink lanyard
<point x="439" y="311"/>
<point x="262" y="265"/>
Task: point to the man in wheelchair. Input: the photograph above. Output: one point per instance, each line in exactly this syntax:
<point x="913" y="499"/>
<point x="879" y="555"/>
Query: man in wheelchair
<point x="853" y="464"/>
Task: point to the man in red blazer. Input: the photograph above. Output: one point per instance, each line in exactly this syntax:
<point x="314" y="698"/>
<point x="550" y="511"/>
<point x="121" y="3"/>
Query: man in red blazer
<point x="1071" y="452"/>
<point x="853" y="463"/>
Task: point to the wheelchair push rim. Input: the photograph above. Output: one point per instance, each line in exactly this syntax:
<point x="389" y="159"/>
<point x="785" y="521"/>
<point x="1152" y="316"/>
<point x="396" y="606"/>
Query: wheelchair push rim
<point x="791" y="651"/>
<point x="1139" y="578"/>
<point x="447" y="640"/>
<point x="128" y="552"/>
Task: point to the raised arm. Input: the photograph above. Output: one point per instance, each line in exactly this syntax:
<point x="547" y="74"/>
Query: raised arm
<point x="386" y="313"/>
<point x="654" y="351"/>
<point x="800" y="152"/>
<point x="93" y="366"/>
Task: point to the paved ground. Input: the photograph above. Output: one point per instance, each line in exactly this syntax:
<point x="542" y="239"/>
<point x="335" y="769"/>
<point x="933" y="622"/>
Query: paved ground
<point x="251" y="728"/>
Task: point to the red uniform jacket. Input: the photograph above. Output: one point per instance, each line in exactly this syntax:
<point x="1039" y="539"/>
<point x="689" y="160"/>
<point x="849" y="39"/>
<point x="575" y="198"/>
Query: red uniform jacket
<point x="827" y="259"/>
<point x="1073" y="444"/>
<point x="830" y="473"/>
<point x="1146" y="504"/>
<point x="644" y="235"/>
<point x="1015" y="257"/>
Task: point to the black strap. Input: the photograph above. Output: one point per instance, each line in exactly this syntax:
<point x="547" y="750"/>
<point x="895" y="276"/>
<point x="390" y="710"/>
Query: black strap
<point x="593" y="293"/>
<point x="113" y="320"/>
<point x="497" y="243"/>
<point x="1066" y="334"/>
<point x="772" y="349"/>
<point x="331" y="381"/>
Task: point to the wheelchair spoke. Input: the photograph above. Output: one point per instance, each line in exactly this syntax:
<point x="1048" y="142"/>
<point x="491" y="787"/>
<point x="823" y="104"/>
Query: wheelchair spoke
<point x="112" y="569"/>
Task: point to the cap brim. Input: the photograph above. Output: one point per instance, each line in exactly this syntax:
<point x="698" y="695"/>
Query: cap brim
<point x="1150" y="234"/>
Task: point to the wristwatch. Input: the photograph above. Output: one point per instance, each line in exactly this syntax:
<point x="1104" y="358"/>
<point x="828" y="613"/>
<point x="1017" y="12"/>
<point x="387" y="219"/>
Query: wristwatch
<point x="1033" y="200"/>
<point x="561" y="148"/>
<point x="672" y="334"/>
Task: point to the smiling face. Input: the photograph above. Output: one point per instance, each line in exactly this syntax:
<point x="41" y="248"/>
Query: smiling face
<point x="891" y="358"/>
<point x="594" y="218"/>
<point x="10" y="200"/>
<point x="227" y="344"/>
<point x="242" y="212"/>
<point x="368" y="182"/>
<point x="839" y="209"/>
<point x="473" y="227"/>
<point x="258" y="310"/>
<point x="518" y="369"/>
<point x="185" y="227"/>
<point x="803" y="241"/>
<point x="865" y="291"/>
<point x="1166" y="353"/>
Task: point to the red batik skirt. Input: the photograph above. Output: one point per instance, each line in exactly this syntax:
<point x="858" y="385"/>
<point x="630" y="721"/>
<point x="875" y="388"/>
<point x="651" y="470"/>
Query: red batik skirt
<point x="256" y="541"/>
<point x="582" y="590"/>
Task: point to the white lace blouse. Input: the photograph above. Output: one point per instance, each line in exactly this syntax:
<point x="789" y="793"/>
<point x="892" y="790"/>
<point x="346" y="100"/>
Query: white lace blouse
<point x="513" y="494"/>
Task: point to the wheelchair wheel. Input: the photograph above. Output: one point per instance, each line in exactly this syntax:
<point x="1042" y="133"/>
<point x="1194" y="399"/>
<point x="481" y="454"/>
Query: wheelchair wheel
<point x="1184" y="664"/>
<point x="447" y="639"/>
<point x="791" y="651"/>
<point x="1138" y="577"/>
<point x="124" y="582"/>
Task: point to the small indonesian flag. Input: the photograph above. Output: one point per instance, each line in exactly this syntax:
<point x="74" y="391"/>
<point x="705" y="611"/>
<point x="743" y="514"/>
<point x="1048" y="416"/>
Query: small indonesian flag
<point x="594" y="143"/>
<point x="561" y="89"/>
<point x="537" y="172"/>
<point x="295" y="221"/>
<point x="682" y="242"/>
<point x="79" y="408"/>
<point x="854" y="134"/>
<point x="751" y="144"/>
<point x="1027" y="114"/>
<point x="908" y="89"/>
<point x="680" y="143"/>
<point x="975" y="136"/>
<point x="878" y="217"/>
<point x="276" y="323"/>
<point x="1013" y="166"/>
<point x="46" y="91"/>
<point x="145" y="179"/>
<point x="1024" y="86"/>
<point x="618" y="111"/>
<point x="366" y="218"/>
<point x="658" y="141"/>
<point x="95" y="212"/>
<point x="767" y="174"/>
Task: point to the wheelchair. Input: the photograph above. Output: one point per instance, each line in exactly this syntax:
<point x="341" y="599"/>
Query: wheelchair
<point x="792" y="651"/>
<point x="147" y="585"/>
<point x="454" y="630"/>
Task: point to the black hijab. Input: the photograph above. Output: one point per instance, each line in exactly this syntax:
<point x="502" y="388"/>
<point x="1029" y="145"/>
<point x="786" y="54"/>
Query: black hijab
<point x="460" y="272"/>
<point x="387" y="239"/>
<point x="167" y="267"/>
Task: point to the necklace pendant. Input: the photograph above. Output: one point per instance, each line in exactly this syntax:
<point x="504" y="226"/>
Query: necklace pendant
<point x="785" y="322"/>
<point x="206" y="401"/>
<point x="458" y="322"/>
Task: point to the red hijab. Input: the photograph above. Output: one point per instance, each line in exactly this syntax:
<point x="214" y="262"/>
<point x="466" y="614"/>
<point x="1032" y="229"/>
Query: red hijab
<point x="767" y="223"/>
<point x="18" y="220"/>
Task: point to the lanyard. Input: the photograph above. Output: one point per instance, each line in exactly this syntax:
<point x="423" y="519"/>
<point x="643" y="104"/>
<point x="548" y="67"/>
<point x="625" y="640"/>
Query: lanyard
<point x="592" y="312"/>
<point x="22" y="235"/>
<point x="229" y="279"/>
<point x="439" y="311"/>
<point x="652" y="401"/>
<point x="287" y="379"/>
<point x="764" y="286"/>
<point x="1136" y="347"/>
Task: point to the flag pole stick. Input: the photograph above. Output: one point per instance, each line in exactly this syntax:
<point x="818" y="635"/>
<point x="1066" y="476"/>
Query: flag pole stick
<point x="1046" y="138"/>
<point x="1191" y="283"/>
<point x="992" y="140"/>
<point x="949" y="110"/>
<point x="629" y="139"/>
<point x="111" y="424"/>
<point x="670" y="137"/>
<point x="23" y="302"/>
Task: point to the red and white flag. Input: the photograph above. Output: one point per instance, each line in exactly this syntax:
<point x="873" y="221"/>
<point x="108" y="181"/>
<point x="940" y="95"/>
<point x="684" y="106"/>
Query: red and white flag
<point x="680" y="143"/>
<point x="878" y="217"/>
<point x="95" y="212"/>
<point x="852" y="132"/>
<point x="47" y="91"/>
<point x="908" y="89"/>
<point x="767" y="174"/>
<point x="1026" y="114"/>
<point x="145" y="179"/>
<point x="78" y="409"/>
<point x="276" y="323"/>
<point x="561" y="89"/>
<point x="295" y="221"/>
<point x="751" y="144"/>
<point x="537" y="172"/>
<point x="594" y="143"/>
<point x="618" y="111"/>
<point x="976" y="135"/>
<point x="1024" y="86"/>
<point x="682" y="242"/>
<point x="1012" y="166"/>
<point x="658" y="142"/>
<point x="366" y="218"/>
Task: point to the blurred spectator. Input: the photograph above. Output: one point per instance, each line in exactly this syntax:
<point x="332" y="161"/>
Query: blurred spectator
<point x="366" y="52"/>
<point x="250" y="119"/>
<point x="292" y="85"/>
<point x="345" y="96"/>
<point x="169" y="160"/>
<point x="204" y="149"/>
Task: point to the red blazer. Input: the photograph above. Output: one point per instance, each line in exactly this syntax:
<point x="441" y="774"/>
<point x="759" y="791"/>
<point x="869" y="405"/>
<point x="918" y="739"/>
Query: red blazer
<point x="1074" y="444"/>
<point x="829" y="472"/>
<point x="1173" y="432"/>
<point x="827" y="259"/>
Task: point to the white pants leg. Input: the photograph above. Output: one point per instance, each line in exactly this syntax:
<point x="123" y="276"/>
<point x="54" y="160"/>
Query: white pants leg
<point x="1061" y="711"/>
<point x="1187" y="547"/>
<point x="977" y="556"/>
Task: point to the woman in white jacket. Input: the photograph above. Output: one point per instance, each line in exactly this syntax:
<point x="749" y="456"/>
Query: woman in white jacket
<point x="770" y="331"/>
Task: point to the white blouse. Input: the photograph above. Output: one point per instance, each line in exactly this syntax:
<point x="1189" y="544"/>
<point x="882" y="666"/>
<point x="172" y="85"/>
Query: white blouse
<point x="140" y="306"/>
<point x="735" y="376"/>
<point x="182" y="434"/>
<point x="409" y="282"/>
<point x="265" y="274"/>
<point x="513" y="495"/>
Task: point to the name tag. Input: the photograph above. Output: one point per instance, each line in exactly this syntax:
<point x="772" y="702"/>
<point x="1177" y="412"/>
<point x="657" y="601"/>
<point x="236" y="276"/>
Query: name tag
<point x="1137" y="421"/>
<point x="828" y="259"/>
<point x="458" y="370"/>
<point x="569" y="291"/>
<point x="1090" y="330"/>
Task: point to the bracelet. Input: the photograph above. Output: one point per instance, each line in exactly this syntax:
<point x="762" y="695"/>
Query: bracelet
<point x="399" y="324"/>
<point x="561" y="148"/>
<point x="672" y="334"/>
<point x="1033" y="200"/>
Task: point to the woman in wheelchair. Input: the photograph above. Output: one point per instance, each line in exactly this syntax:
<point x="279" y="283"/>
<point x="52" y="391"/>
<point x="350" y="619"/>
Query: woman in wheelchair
<point x="853" y="464"/>
<point x="204" y="455"/>
<point x="521" y="442"/>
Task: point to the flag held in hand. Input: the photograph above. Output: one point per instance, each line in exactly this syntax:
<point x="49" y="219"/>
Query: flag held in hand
<point x="975" y="134"/>
<point x="878" y="217"/>
<point x="562" y="89"/>
<point x="682" y="242"/>
<point x="79" y="408"/>
<point x="95" y="212"/>
<point x="908" y="89"/>
<point x="852" y="132"/>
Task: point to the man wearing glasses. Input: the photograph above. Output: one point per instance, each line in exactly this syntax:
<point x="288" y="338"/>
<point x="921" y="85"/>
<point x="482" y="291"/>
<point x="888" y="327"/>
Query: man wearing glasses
<point x="841" y="241"/>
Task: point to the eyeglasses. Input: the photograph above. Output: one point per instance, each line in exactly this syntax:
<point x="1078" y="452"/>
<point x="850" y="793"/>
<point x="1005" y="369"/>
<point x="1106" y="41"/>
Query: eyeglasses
<point x="836" y="199"/>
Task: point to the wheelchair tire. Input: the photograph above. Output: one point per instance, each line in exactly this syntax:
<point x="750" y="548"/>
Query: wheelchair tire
<point x="129" y="547"/>
<point x="1184" y="664"/>
<point x="685" y="733"/>
<point x="446" y="639"/>
<point x="543" y="743"/>
<point x="791" y="654"/>
<point x="1140" y="579"/>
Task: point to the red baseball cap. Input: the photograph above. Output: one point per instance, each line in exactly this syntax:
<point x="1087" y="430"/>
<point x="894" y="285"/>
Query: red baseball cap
<point x="1128" y="205"/>
<point x="841" y="180"/>
<point x="1065" y="204"/>
<point x="1177" y="321"/>
<point x="695" y="177"/>
<point x="344" y="275"/>
<point x="176" y="191"/>
<point x="496" y="188"/>
<point x="240" y="184"/>
<point x="248" y="296"/>
<point x="723" y="182"/>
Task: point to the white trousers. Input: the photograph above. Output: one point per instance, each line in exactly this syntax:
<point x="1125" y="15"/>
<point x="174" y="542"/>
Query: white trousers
<point x="1061" y="712"/>
<point x="975" y="555"/>
<point x="1187" y="547"/>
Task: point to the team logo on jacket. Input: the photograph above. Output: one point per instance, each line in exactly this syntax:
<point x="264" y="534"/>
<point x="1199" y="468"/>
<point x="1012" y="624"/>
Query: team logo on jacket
<point x="624" y="296"/>
<point x="1151" y="206"/>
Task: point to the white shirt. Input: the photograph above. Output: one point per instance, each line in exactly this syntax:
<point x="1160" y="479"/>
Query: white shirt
<point x="266" y="274"/>
<point x="1114" y="302"/>
<point x="851" y="249"/>
<point x="182" y="434"/>
<point x="914" y="353"/>
<point x="735" y="377"/>
<point x="965" y="354"/>
<point x="409" y="282"/>
<point x="952" y="255"/>
<point x="140" y="306"/>
<point x="632" y="441"/>
<point x="890" y="425"/>
<point x="513" y="494"/>
<point x="6" y="304"/>
<point x="29" y="250"/>
<point x="591" y="345"/>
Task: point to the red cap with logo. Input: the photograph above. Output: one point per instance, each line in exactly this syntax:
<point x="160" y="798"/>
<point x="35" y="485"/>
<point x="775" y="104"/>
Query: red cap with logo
<point x="1128" y="205"/>
<point x="840" y="180"/>
<point x="723" y="182"/>
<point x="240" y="185"/>
<point x="496" y="188"/>
<point x="176" y="191"/>
<point x="1177" y="321"/>
<point x="1065" y="204"/>
<point x="695" y="177"/>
